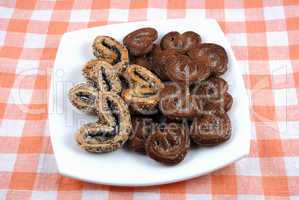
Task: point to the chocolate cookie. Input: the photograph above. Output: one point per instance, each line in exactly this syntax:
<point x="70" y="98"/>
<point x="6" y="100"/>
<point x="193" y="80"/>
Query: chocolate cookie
<point x="210" y="130"/>
<point x="213" y="55"/>
<point x="160" y="59"/>
<point x="185" y="71"/>
<point x="180" y="42"/>
<point x="141" y="41"/>
<point x="142" y="127"/>
<point x="177" y="102"/>
<point x="214" y="94"/>
<point x="168" y="145"/>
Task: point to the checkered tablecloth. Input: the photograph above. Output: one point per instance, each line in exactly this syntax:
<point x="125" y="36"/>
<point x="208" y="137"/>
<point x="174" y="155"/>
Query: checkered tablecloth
<point x="265" y="38"/>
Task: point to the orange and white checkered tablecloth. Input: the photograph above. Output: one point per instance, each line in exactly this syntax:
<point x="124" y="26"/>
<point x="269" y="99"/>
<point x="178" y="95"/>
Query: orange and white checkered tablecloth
<point x="264" y="35"/>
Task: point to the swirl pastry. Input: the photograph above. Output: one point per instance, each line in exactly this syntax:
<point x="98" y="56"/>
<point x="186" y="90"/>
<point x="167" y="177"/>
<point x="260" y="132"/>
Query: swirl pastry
<point x="102" y="75"/>
<point x="143" y="92"/>
<point x="177" y="102"/>
<point x="213" y="87"/>
<point x="211" y="130"/>
<point x="214" y="94"/>
<point x="144" y="61"/>
<point x="183" y="70"/>
<point x="160" y="59"/>
<point x="83" y="97"/>
<point x="168" y="145"/>
<point x="180" y="42"/>
<point x="213" y="55"/>
<point x="113" y="128"/>
<point x="108" y="49"/>
<point x="142" y="127"/>
<point x="222" y="104"/>
<point x="140" y="42"/>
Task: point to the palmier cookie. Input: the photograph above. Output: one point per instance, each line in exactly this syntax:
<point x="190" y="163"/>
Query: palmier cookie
<point x="113" y="128"/>
<point x="210" y="130"/>
<point x="185" y="71"/>
<point x="140" y="41"/>
<point x="108" y="49"/>
<point x="142" y="127"/>
<point x="213" y="55"/>
<point x="83" y="97"/>
<point x="160" y="59"/>
<point x="180" y="42"/>
<point x="143" y="92"/>
<point x="102" y="75"/>
<point x="214" y="94"/>
<point x="168" y="145"/>
<point x="176" y="102"/>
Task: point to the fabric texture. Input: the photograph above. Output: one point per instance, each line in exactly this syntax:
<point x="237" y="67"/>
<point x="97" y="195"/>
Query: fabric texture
<point x="264" y="37"/>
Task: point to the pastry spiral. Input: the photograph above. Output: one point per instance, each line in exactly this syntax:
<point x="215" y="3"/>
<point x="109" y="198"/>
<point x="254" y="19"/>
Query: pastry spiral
<point x="211" y="129"/>
<point x="143" y="92"/>
<point x="108" y="49"/>
<point x="180" y="42"/>
<point x="140" y="41"/>
<point x="83" y="97"/>
<point x="213" y="55"/>
<point x="113" y="128"/>
<point x="168" y="145"/>
<point x="102" y="75"/>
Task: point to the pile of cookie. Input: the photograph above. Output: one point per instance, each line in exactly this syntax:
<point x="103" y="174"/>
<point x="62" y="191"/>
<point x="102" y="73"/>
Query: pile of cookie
<point x="155" y="99"/>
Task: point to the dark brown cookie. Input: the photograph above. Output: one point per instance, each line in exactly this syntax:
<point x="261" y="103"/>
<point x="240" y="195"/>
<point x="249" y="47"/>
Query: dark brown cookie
<point x="214" y="95"/>
<point x="180" y="42"/>
<point x="213" y="55"/>
<point x="140" y="42"/>
<point x="160" y="61"/>
<point x="183" y="70"/>
<point x="144" y="61"/>
<point x="222" y="104"/>
<point x="142" y="127"/>
<point x="168" y="145"/>
<point x="176" y="102"/>
<point x="213" y="87"/>
<point x="210" y="130"/>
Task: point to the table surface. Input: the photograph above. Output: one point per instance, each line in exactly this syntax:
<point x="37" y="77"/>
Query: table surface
<point x="264" y="37"/>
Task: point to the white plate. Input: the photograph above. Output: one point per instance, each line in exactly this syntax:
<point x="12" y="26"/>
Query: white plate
<point x="127" y="168"/>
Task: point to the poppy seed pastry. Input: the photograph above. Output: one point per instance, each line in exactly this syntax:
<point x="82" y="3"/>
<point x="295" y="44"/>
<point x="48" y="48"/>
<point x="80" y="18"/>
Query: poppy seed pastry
<point x="112" y="129"/>
<point x="108" y="49"/>
<point x="143" y="92"/>
<point x="83" y="97"/>
<point x="102" y="75"/>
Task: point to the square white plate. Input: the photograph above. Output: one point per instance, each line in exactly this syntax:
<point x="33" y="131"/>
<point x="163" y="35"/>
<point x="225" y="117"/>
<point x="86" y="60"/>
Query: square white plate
<point x="123" y="167"/>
